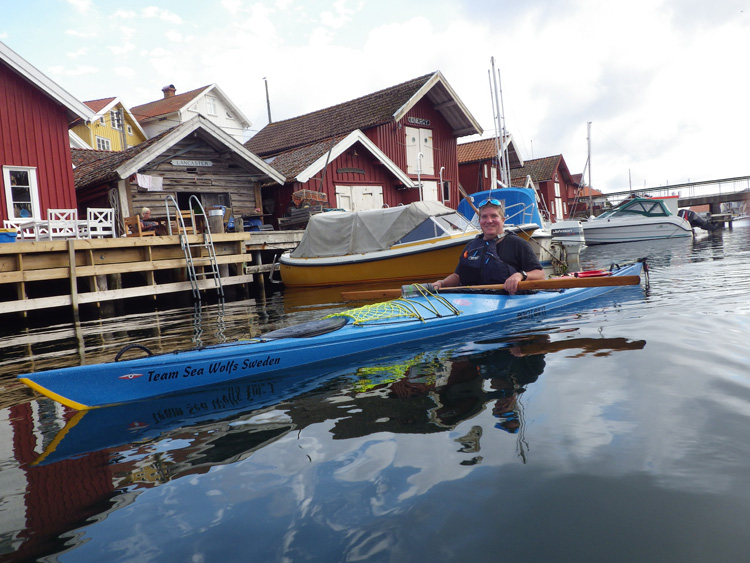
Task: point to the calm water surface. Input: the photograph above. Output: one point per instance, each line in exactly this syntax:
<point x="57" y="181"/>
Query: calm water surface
<point x="613" y="432"/>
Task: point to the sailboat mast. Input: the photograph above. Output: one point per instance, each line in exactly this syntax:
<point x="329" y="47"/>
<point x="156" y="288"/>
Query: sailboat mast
<point x="588" y="139"/>
<point x="506" y="163"/>
<point x="495" y="120"/>
<point x="499" y="140"/>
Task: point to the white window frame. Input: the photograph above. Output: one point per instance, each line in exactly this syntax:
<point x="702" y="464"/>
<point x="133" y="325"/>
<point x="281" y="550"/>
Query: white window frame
<point x="33" y="192"/>
<point x="130" y="129"/>
<point x="115" y="118"/>
<point x="103" y="144"/>
<point x="211" y="105"/>
<point x="558" y="200"/>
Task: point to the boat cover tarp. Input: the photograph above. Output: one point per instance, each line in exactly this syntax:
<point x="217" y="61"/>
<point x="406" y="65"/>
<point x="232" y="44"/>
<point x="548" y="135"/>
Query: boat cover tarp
<point x="338" y="233"/>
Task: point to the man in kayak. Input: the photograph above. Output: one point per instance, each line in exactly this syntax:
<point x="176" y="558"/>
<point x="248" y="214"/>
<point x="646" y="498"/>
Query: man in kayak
<point x="495" y="256"/>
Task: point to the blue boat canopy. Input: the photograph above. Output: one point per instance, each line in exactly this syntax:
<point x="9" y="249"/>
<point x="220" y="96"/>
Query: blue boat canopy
<point x="520" y="205"/>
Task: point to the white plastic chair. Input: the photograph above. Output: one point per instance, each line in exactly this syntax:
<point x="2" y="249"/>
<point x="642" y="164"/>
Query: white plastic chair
<point x="26" y="229"/>
<point x="61" y="224"/>
<point x="101" y="222"/>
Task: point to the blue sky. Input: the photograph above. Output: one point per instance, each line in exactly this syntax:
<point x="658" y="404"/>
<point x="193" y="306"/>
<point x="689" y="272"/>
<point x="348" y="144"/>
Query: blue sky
<point x="664" y="82"/>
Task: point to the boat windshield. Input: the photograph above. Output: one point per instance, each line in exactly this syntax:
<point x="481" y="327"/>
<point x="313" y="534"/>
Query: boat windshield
<point x="643" y="207"/>
<point x="434" y="227"/>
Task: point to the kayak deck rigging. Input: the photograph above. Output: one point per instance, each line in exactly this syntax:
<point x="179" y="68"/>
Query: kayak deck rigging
<point x="401" y="308"/>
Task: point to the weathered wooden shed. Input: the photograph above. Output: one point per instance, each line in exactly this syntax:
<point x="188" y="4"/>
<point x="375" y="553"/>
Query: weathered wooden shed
<point x="195" y="158"/>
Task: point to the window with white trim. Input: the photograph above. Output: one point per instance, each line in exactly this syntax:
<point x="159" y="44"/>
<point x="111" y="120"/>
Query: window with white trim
<point x="130" y="129"/>
<point x="115" y="118"/>
<point x="446" y="191"/>
<point x="103" y="144"/>
<point x="211" y="105"/>
<point x="21" y="192"/>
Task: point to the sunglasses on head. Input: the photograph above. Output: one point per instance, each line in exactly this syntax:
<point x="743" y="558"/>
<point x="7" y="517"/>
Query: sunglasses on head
<point x="491" y="201"/>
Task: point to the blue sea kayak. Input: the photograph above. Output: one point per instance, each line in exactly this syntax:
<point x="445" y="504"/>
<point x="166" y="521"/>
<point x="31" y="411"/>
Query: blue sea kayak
<point x="347" y="334"/>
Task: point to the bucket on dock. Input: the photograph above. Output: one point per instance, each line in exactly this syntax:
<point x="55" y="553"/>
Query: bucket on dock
<point x="8" y="235"/>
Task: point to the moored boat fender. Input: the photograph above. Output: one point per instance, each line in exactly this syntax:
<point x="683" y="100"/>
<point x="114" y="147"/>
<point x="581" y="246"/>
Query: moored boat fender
<point x="306" y="330"/>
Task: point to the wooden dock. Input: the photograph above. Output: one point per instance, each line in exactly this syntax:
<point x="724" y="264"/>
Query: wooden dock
<point x="69" y="273"/>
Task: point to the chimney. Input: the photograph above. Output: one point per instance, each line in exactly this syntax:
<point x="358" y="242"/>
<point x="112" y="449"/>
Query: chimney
<point x="169" y="91"/>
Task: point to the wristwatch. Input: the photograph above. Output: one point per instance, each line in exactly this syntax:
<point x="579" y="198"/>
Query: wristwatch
<point x="524" y="275"/>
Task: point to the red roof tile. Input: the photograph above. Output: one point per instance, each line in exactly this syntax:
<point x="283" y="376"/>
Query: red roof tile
<point x="99" y="105"/>
<point x="165" y="106"/>
<point x="484" y="149"/>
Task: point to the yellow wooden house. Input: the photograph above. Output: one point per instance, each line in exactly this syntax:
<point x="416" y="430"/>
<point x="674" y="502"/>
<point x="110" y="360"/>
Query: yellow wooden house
<point x="113" y="129"/>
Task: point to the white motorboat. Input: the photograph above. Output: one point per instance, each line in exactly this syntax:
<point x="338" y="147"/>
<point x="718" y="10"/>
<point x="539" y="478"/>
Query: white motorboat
<point x="636" y="219"/>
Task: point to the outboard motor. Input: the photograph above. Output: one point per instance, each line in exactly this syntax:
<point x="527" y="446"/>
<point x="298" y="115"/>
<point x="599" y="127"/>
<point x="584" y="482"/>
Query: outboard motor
<point x="696" y="220"/>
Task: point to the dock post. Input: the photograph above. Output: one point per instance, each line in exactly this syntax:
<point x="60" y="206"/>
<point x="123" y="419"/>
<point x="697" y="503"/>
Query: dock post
<point x="73" y="281"/>
<point x="260" y="284"/>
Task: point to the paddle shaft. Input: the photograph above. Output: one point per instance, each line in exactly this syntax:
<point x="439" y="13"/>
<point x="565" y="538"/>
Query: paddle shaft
<point x="554" y="283"/>
<point x="468" y="199"/>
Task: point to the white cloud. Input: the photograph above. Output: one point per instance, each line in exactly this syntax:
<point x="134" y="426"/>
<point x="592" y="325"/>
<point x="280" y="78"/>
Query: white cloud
<point x="80" y="5"/>
<point x="81" y="34"/>
<point x="125" y="72"/>
<point x="81" y="70"/>
<point x="232" y="6"/>
<point x="124" y="14"/>
<point x="162" y="14"/>
<point x="76" y="54"/>
<point x="339" y="17"/>
<point x="123" y="49"/>
<point x="173" y="35"/>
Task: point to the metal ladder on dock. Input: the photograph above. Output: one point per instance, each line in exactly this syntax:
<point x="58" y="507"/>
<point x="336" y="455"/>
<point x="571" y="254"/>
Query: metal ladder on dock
<point x="210" y="270"/>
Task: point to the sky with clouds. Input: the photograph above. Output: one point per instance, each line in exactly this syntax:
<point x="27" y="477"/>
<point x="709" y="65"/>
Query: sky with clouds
<point x="662" y="82"/>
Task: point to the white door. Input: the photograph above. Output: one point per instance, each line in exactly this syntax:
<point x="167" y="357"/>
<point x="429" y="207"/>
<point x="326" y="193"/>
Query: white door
<point x="419" y="141"/>
<point x="430" y="191"/>
<point x="359" y="198"/>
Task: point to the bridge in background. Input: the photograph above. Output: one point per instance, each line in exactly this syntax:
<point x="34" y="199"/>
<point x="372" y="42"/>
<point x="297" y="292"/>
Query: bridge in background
<point x="711" y="192"/>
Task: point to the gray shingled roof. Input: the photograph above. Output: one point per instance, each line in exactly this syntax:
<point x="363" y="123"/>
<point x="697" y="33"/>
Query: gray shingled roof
<point x="93" y="168"/>
<point x="362" y="113"/>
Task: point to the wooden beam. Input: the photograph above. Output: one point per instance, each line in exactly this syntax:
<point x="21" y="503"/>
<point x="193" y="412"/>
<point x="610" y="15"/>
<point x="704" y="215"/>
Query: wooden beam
<point x="73" y="280"/>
